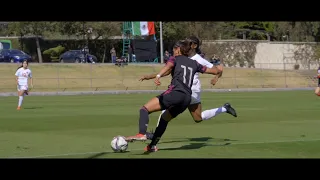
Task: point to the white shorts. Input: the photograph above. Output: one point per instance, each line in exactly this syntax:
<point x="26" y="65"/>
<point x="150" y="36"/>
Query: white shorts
<point x="22" y="87"/>
<point x="195" y="98"/>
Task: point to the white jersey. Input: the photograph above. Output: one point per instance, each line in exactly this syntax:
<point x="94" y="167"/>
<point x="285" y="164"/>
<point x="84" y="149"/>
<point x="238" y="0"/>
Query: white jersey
<point x="23" y="76"/>
<point x="196" y="86"/>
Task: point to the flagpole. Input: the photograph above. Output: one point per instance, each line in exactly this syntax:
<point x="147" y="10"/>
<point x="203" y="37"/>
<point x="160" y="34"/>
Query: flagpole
<point x="161" y="43"/>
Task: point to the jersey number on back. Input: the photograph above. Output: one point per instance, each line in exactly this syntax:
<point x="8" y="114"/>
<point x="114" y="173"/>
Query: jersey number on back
<point x="185" y="73"/>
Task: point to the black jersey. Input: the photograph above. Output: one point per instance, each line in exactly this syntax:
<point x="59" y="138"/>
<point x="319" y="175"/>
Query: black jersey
<point x="183" y="72"/>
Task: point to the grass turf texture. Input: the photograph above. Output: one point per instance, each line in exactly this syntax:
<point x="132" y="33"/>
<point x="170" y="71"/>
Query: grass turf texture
<point x="270" y="125"/>
<point x="97" y="77"/>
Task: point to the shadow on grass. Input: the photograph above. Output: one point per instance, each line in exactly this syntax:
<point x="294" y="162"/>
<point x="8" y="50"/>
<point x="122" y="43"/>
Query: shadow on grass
<point x="198" y="139"/>
<point x="192" y="146"/>
<point x="194" y="143"/>
<point x="33" y="108"/>
<point x="102" y="154"/>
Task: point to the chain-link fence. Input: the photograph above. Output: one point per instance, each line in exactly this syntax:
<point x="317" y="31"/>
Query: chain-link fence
<point x="60" y="77"/>
<point x="248" y="64"/>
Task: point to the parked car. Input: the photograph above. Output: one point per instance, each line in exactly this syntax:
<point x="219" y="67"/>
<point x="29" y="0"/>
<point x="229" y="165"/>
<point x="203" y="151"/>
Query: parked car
<point x="77" y="56"/>
<point x="13" y="56"/>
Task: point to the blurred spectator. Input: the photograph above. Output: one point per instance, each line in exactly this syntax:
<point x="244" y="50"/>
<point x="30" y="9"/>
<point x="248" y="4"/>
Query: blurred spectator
<point x="215" y="60"/>
<point x="166" y="56"/>
<point x="121" y="61"/>
<point x="113" y="55"/>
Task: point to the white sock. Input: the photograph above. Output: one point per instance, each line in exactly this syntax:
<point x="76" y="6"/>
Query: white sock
<point x="160" y="117"/>
<point x="20" y="101"/>
<point x="208" y="114"/>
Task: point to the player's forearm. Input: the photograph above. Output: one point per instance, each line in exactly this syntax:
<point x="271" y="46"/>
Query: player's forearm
<point x="213" y="70"/>
<point x="152" y="76"/>
<point x="165" y="70"/>
<point x="167" y="73"/>
<point x="17" y="80"/>
<point x="31" y="81"/>
<point x="219" y="75"/>
<point x="221" y="68"/>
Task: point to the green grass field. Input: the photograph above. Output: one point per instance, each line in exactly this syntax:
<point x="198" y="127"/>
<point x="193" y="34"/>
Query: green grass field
<point x="270" y="125"/>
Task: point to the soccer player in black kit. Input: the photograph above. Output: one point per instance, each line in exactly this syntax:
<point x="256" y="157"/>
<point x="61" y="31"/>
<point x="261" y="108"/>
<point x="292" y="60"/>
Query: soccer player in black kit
<point x="178" y="96"/>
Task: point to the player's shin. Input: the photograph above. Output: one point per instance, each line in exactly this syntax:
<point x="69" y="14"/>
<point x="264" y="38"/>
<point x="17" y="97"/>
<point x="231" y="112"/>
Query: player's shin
<point x="20" y="101"/>
<point x="208" y="114"/>
<point x="143" y="121"/>
<point x="159" y="132"/>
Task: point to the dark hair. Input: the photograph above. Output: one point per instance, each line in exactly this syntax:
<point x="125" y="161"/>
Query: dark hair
<point x="22" y="64"/>
<point x="185" y="46"/>
<point x="196" y="41"/>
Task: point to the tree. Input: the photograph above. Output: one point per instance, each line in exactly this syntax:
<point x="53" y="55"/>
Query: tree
<point x="31" y="28"/>
<point x="70" y="28"/>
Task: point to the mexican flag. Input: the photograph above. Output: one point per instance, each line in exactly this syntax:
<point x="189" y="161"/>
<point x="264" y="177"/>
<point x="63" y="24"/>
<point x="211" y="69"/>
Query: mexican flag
<point x="143" y="28"/>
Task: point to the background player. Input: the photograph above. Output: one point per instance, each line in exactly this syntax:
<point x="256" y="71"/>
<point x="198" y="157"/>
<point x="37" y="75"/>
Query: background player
<point x="22" y="76"/>
<point x="317" y="91"/>
<point x="178" y="96"/>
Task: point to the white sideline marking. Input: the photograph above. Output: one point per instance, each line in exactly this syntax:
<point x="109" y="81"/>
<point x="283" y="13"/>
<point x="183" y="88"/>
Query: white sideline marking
<point x="141" y="149"/>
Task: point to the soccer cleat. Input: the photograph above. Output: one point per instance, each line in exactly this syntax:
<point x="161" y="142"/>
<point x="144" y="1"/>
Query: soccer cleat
<point x="18" y="108"/>
<point x="151" y="149"/>
<point x="138" y="137"/>
<point x="230" y="110"/>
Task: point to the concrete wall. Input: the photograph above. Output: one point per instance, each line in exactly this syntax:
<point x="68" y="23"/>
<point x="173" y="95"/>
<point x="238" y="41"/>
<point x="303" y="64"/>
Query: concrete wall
<point x="279" y="55"/>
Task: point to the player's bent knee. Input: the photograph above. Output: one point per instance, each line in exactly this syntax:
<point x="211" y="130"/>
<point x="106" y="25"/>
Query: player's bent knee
<point x="167" y="116"/>
<point x="144" y="109"/>
<point x="20" y="93"/>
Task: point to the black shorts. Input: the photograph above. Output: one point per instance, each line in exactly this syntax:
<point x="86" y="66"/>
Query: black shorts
<point x="318" y="82"/>
<point x="175" y="102"/>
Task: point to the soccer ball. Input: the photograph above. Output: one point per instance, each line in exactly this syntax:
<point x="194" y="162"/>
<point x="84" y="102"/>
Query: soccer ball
<point x="119" y="144"/>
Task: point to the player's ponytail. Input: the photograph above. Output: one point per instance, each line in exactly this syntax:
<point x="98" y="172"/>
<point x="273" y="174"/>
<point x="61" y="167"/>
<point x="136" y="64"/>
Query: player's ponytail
<point x="20" y="67"/>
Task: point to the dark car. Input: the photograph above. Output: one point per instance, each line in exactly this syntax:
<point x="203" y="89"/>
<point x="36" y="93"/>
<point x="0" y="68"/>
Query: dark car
<point x="77" y="56"/>
<point x="13" y="56"/>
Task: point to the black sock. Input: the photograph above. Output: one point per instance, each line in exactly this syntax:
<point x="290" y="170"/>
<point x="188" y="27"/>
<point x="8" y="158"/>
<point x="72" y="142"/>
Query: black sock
<point x="159" y="132"/>
<point x="144" y="120"/>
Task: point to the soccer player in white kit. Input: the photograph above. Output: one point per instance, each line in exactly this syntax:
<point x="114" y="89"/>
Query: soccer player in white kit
<point x="317" y="90"/>
<point x="22" y="76"/>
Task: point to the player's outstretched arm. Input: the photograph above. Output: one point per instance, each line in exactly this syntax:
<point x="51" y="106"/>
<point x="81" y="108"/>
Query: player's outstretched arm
<point x="166" y="68"/>
<point x="17" y="76"/>
<point x="214" y="70"/>
<point x="216" y="77"/>
<point x="31" y="79"/>
<point x="152" y="76"/>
